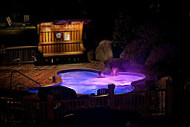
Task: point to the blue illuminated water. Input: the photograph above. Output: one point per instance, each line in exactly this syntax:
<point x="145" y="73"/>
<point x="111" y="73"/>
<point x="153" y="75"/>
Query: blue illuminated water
<point x="87" y="81"/>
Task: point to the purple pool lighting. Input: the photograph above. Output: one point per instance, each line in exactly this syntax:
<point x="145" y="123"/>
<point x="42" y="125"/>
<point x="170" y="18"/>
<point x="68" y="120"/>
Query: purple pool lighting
<point x="87" y="81"/>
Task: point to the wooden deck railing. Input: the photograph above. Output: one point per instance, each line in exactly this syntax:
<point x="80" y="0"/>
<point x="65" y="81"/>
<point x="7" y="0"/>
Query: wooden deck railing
<point x="147" y="103"/>
<point x="61" y="48"/>
<point x="21" y="54"/>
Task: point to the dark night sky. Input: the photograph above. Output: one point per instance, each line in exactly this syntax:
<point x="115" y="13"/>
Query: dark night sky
<point x="102" y="12"/>
<point x="72" y="8"/>
<point x="61" y="9"/>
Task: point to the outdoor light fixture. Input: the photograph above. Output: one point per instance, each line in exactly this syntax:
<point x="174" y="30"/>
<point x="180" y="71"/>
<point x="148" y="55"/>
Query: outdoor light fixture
<point x="67" y="36"/>
<point x="58" y="35"/>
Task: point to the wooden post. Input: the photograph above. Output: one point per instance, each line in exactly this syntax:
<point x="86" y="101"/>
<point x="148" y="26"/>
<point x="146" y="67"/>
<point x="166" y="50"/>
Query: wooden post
<point x="54" y="78"/>
<point x="50" y="107"/>
<point x="169" y="97"/>
<point x="111" y="88"/>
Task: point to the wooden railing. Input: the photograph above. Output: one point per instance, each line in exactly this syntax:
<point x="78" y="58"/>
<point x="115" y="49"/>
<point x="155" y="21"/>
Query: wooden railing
<point x="61" y="48"/>
<point x="21" y="54"/>
<point x="147" y="103"/>
<point x="49" y="37"/>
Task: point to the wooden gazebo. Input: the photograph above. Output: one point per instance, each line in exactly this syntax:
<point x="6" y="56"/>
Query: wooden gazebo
<point x="61" y="38"/>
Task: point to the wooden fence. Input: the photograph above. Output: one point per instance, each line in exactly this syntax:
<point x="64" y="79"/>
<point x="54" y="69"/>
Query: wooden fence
<point x="21" y="54"/>
<point x="49" y="36"/>
<point x="147" y="103"/>
<point x="62" y="48"/>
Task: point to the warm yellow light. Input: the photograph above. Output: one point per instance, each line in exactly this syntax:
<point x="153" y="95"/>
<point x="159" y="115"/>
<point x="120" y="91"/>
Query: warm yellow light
<point x="67" y="36"/>
<point x="47" y="29"/>
<point x="46" y="24"/>
<point x="47" y="35"/>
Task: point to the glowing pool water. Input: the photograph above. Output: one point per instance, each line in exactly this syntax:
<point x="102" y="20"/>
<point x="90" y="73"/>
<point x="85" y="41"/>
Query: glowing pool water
<point x="87" y="81"/>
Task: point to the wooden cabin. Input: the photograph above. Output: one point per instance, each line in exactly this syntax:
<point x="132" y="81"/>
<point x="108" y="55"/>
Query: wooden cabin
<point x="60" y="38"/>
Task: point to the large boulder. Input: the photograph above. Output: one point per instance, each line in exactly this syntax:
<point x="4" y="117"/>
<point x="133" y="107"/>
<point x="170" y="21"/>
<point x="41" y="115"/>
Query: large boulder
<point x="136" y="52"/>
<point x="91" y="55"/>
<point x="162" y="55"/>
<point x="104" y="51"/>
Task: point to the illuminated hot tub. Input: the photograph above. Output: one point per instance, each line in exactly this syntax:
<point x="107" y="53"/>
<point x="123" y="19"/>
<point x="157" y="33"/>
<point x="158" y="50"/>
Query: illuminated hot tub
<point x="88" y="81"/>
